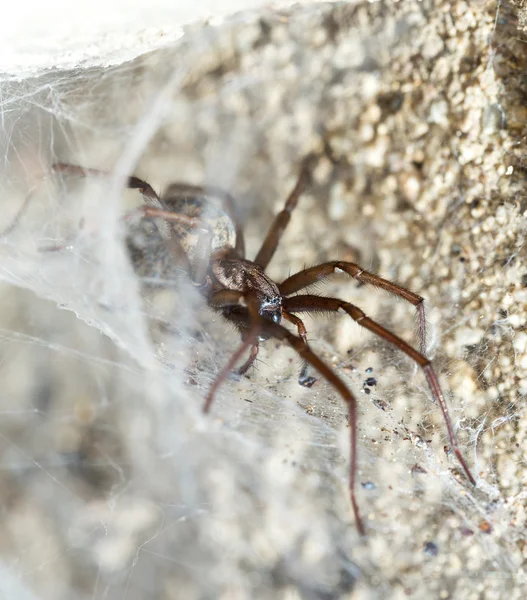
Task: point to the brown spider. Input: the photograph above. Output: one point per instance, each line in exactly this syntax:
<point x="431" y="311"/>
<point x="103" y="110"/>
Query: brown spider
<point x="188" y="228"/>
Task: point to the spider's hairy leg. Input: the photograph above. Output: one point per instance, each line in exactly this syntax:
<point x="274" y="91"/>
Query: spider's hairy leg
<point x="304" y="378"/>
<point x="309" y="303"/>
<point x="132" y="182"/>
<point x="307" y="277"/>
<point x="146" y="190"/>
<point x="282" y="219"/>
<point x="227" y="369"/>
<point x="281" y="333"/>
<point x="225" y="298"/>
<point x="252" y="357"/>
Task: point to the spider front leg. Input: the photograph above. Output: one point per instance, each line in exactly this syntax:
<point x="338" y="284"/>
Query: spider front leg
<point x="256" y="324"/>
<point x="281" y="333"/>
<point x="226" y="299"/>
<point x="304" y="378"/>
<point x="307" y="277"/>
<point x="309" y="303"/>
<point x="227" y="369"/>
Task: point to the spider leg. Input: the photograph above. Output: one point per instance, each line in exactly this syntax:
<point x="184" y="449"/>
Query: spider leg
<point x="279" y="332"/>
<point x="309" y="276"/>
<point x="225" y="298"/>
<point x="309" y="303"/>
<point x="227" y="369"/>
<point x="252" y="357"/>
<point x="132" y="182"/>
<point x="153" y="199"/>
<point x="282" y="218"/>
<point x="304" y="378"/>
<point x="155" y="209"/>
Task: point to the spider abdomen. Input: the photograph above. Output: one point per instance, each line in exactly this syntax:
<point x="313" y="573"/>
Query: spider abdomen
<point x="160" y="262"/>
<point x="211" y="212"/>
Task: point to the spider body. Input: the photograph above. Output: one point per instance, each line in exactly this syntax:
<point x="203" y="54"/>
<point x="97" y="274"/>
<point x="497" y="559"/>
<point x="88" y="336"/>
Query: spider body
<point x="159" y="264"/>
<point x="195" y="231"/>
<point x="208" y="209"/>
<point x="243" y="276"/>
<point x="226" y="269"/>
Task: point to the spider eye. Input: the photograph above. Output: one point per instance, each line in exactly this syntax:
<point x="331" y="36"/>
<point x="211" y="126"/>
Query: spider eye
<point x="272" y="311"/>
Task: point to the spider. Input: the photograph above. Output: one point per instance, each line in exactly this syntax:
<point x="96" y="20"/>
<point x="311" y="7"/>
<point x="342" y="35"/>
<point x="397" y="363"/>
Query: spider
<point x="196" y="229"/>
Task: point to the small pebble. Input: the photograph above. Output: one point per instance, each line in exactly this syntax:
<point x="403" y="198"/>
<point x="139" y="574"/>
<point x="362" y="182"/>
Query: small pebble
<point x="485" y="527"/>
<point x="431" y="549"/>
<point x="380" y="404"/>
<point x="418" y="469"/>
<point x="368" y="485"/>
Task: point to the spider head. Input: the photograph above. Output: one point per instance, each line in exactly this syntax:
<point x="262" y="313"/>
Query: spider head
<point x="271" y="308"/>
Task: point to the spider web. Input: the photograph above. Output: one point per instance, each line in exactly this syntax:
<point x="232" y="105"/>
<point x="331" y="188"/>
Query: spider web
<point x="114" y="483"/>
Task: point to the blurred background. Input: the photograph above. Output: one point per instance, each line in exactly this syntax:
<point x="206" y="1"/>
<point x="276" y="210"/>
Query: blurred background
<point x="114" y="485"/>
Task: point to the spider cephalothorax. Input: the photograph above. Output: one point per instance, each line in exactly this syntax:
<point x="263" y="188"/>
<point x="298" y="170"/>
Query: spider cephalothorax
<point x="244" y="276"/>
<point x="195" y="230"/>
